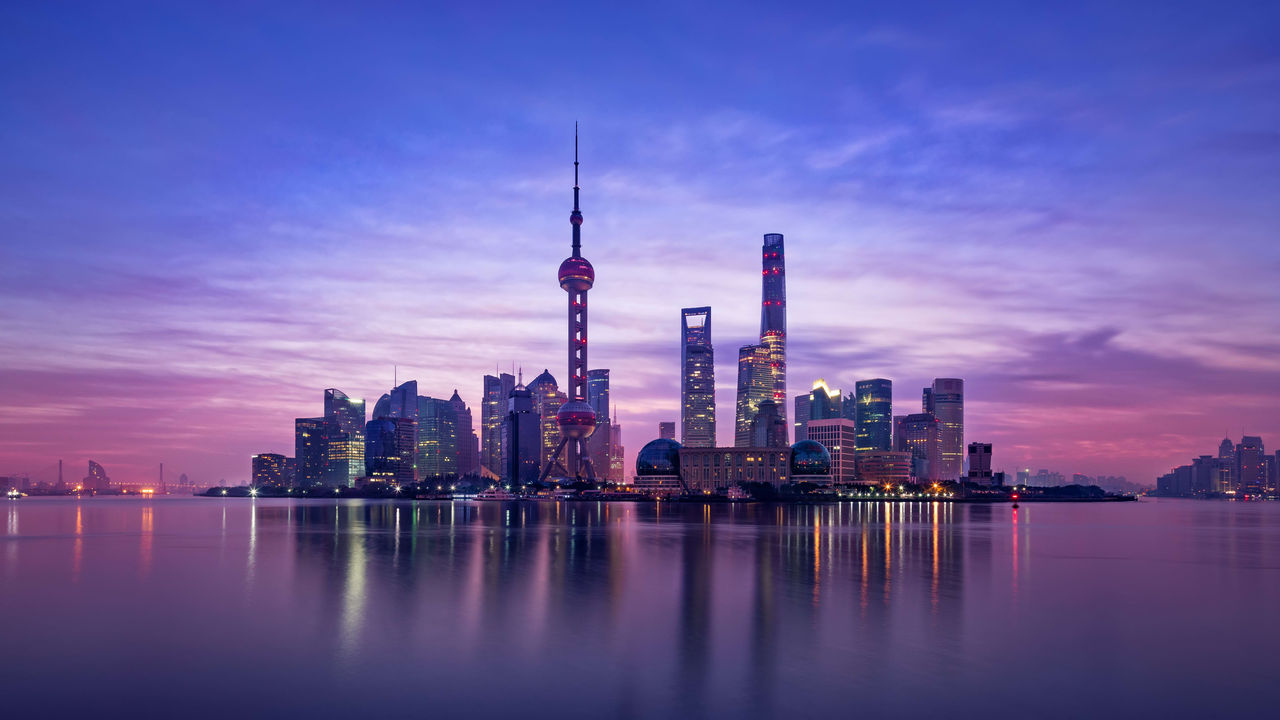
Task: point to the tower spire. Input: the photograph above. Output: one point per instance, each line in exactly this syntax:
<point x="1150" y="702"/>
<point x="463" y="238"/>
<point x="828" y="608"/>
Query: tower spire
<point x="575" y="218"/>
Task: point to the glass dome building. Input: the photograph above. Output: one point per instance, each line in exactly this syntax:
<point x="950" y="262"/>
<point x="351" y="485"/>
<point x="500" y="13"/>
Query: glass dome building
<point x="810" y="462"/>
<point x="658" y="457"/>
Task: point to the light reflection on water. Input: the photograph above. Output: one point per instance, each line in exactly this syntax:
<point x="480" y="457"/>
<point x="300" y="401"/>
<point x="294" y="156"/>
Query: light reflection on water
<point x="588" y="610"/>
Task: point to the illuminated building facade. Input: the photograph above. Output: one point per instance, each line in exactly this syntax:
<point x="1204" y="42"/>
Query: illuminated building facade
<point x="755" y="385"/>
<point x="272" y="470"/>
<point x="697" y="379"/>
<point x="919" y="434"/>
<point x="346" y="444"/>
<point x="945" y="401"/>
<point x="437" y="455"/>
<point x="493" y="408"/>
<point x="1250" y="469"/>
<point x="390" y="450"/>
<point x="883" y="467"/>
<point x="600" y="444"/>
<point x="311" y="437"/>
<point x="773" y="318"/>
<point x="576" y="418"/>
<point x="617" y="453"/>
<point x="873" y="413"/>
<point x="839" y="436"/>
<point x="716" y="469"/>
<point x="547" y="404"/>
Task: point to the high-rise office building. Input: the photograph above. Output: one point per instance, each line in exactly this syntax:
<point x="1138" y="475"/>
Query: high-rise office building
<point x="390" y="450"/>
<point x="1250" y="470"/>
<point x="945" y="401"/>
<point x="697" y="379"/>
<point x="601" y="441"/>
<point x="824" y="401"/>
<point x="773" y="317"/>
<point x="271" y="470"/>
<point x="873" y="413"/>
<point x="546" y="405"/>
<point x="666" y="430"/>
<point x="311" y="438"/>
<point x="769" y="427"/>
<point x="801" y="416"/>
<point x="493" y="408"/>
<point x="576" y="418"/>
<point x="346" y="449"/>
<point x="755" y="385"/>
<point x="468" y="443"/>
<point x="437" y="455"/>
<point x="521" y="439"/>
<point x="617" y="453"/>
<point x="1226" y="466"/>
<point x="919" y="434"/>
<point x="96" y="479"/>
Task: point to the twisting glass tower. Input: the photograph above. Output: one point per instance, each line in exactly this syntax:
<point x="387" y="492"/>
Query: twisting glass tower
<point x="576" y="418"/>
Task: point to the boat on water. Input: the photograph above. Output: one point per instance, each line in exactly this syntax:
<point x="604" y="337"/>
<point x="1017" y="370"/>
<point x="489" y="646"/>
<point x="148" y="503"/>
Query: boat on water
<point x="497" y="493"/>
<point x="14" y="494"/>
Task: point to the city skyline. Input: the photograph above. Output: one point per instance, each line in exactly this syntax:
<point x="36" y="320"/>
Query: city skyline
<point x="175" y="301"/>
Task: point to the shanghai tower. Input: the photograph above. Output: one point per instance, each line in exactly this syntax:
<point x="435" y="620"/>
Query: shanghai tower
<point x="773" y="317"/>
<point x="576" y="418"/>
<point x="762" y="368"/>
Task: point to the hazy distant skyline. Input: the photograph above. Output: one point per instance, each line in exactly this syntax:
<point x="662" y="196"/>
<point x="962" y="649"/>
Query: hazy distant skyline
<point x="211" y="213"/>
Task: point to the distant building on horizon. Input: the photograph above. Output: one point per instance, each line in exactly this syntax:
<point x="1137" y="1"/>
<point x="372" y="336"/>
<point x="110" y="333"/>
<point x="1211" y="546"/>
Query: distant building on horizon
<point x="600" y="442"/>
<point x="271" y="470"/>
<point x="769" y="426"/>
<point x="311" y="437"/>
<point x="800" y="417"/>
<point x="667" y="430"/>
<point x="468" y="443"/>
<point x="980" y="464"/>
<point x="697" y="379"/>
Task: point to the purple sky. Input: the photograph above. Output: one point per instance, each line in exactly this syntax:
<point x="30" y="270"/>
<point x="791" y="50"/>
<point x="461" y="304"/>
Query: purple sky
<point x="209" y="214"/>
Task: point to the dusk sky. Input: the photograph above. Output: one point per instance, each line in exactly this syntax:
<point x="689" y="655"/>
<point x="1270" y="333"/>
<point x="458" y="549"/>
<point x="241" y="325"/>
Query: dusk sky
<point x="210" y="214"/>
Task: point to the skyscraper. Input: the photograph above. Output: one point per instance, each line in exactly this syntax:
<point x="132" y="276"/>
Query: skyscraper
<point x="437" y="455"/>
<point x="801" y="422"/>
<point x="755" y="385"/>
<point x="617" y="453"/>
<point x="773" y="317"/>
<point x="873" y="413"/>
<point x="576" y="418"/>
<point x="601" y="439"/>
<point x="520" y="438"/>
<point x="769" y="427"/>
<point x="1251" y="477"/>
<point x="390" y="448"/>
<point x="920" y="434"/>
<point x="346" y="448"/>
<point x="311" y="437"/>
<point x="1226" y="466"/>
<point x="468" y="444"/>
<point x="945" y="400"/>
<point x="493" y="408"/>
<point x="697" y="379"/>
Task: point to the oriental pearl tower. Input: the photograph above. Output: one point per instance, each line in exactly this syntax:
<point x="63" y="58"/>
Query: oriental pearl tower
<point x="576" y="418"/>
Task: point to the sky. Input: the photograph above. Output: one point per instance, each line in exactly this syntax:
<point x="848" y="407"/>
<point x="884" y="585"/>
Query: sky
<point x="211" y="212"/>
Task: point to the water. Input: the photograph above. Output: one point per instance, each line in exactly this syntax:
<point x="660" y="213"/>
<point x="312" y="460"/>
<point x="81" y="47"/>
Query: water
<point x="241" y="608"/>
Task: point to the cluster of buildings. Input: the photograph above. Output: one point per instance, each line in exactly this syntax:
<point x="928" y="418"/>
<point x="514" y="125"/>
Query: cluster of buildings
<point x="1242" y="469"/>
<point x="863" y="441"/>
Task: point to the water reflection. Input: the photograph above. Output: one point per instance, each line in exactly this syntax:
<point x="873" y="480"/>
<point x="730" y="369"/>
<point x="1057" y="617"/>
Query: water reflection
<point x="643" y="610"/>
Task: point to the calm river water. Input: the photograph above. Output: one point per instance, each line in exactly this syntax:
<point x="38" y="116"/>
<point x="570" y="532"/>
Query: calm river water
<point x="198" y="607"/>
